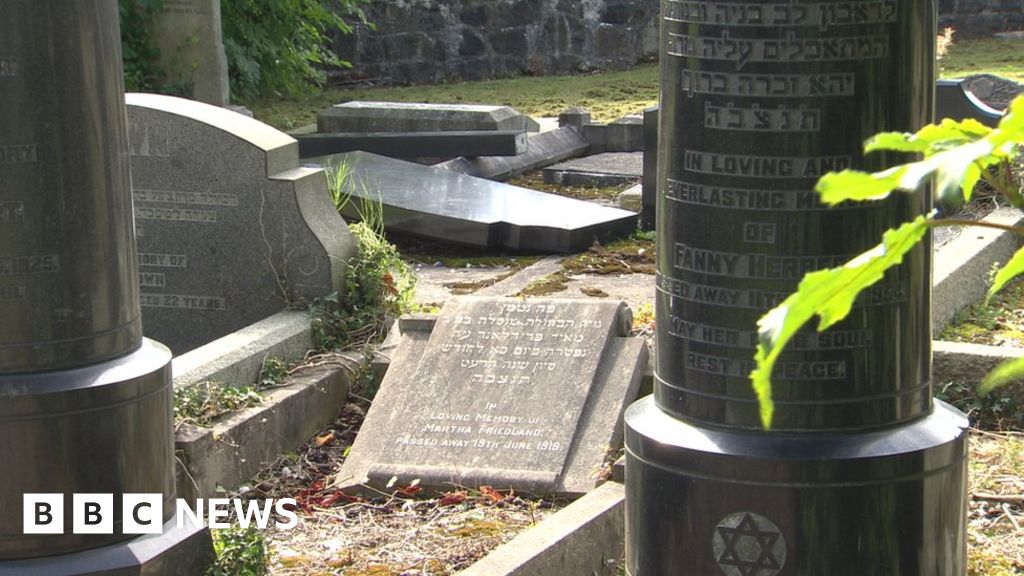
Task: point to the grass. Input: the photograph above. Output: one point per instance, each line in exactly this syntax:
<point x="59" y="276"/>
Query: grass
<point x="608" y="95"/>
<point x="999" y="322"/>
<point x="985" y="56"/>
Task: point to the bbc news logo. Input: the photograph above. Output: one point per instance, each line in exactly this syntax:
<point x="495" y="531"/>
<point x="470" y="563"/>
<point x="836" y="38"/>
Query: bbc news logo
<point x="143" y="513"/>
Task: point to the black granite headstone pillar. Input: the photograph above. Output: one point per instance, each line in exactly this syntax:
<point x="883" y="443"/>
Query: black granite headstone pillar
<point x="862" y="472"/>
<point x="85" y="401"/>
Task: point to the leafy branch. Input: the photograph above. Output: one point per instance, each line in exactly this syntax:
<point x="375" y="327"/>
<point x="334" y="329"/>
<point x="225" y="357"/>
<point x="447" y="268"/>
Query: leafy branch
<point x="955" y="156"/>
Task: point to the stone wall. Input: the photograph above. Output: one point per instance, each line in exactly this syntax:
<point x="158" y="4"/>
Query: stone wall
<point x="977" y="18"/>
<point x="421" y="41"/>
<point x="432" y="41"/>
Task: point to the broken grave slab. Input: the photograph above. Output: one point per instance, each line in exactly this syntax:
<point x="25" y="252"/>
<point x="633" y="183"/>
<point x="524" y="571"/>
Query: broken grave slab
<point x="416" y="144"/>
<point x="543" y="149"/>
<point x="504" y="393"/>
<point x="230" y="228"/>
<point x="442" y="205"/>
<point x="361" y="116"/>
<point x="598" y="170"/>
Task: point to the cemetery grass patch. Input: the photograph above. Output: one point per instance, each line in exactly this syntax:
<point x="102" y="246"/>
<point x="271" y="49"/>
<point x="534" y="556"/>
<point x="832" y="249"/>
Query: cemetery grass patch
<point x="632" y="255"/>
<point x="984" y="56"/>
<point x="998" y="322"/>
<point x="394" y="533"/>
<point x="608" y="95"/>
<point x="420" y="251"/>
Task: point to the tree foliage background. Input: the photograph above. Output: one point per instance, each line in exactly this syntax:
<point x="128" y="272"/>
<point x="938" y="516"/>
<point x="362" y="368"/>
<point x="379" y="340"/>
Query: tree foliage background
<point x="274" y="47"/>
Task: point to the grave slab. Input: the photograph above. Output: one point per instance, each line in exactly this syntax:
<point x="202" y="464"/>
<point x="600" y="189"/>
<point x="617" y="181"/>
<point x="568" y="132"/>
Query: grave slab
<point x="230" y="228"/>
<point x="598" y="170"/>
<point x="522" y="395"/>
<point x="543" y="149"/>
<point x="439" y="204"/>
<point x="361" y="116"/>
<point x="416" y="144"/>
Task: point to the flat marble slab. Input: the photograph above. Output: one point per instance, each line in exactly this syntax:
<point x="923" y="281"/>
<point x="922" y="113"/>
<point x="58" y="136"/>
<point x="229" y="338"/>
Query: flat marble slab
<point x="443" y="205"/>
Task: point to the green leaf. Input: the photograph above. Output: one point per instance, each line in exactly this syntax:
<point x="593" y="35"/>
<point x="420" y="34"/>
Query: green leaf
<point x="1012" y="269"/>
<point x="1007" y="372"/>
<point x="829" y="294"/>
<point x="837" y="187"/>
<point x="896" y="142"/>
<point x="1011" y="127"/>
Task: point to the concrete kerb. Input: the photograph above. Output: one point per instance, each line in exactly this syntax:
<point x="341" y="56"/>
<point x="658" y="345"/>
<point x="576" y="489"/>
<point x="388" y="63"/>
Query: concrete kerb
<point x="225" y="456"/>
<point x="962" y="265"/>
<point x="586" y="537"/>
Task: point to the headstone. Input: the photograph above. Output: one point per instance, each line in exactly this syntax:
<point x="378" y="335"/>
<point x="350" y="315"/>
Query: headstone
<point x="575" y="117"/>
<point x="649" y="180"/>
<point x="861" y="472"/>
<point x="442" y="205"/>
<point x="188" y="34"/>
<point x="505" y="393"/>
<point x="412" y="145"/>
<point x="86" y="400"/>
<point x="626" y="134"/>
<point x="598" y="170"/>
<point x="543" y="149"/>
<point x="954" y="100"/>
<point x="995" y="91"/>
<point x="358" y="116"/>
<point x="230" y="228"/>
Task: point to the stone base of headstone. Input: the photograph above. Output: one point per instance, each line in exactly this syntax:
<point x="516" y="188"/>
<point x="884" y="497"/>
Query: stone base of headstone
<point x="104" y="429"/>
<point x="185" y="550"/>
<point x="888" y="503"/>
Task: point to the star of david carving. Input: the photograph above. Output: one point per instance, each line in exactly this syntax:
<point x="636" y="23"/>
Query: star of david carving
<point x="749" y="549"/>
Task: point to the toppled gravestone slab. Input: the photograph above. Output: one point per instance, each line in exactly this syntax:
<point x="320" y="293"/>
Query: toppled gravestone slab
<point x="543" y="149"/>
<point x="230" y="228"/>
<point x="608" y="169"/>
<point x="505" y="393"/>
<point x="442" y="205"/>
<point x="359" y="116"/>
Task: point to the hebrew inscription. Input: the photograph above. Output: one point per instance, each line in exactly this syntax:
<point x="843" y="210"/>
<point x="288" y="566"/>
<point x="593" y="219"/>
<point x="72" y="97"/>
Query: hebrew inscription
<point x="497" y="396"/>
<point x="767" y="90"/>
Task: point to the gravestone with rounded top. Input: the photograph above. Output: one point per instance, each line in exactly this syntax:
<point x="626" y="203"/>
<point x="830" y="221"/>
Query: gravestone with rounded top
<point x="230" y="228"/>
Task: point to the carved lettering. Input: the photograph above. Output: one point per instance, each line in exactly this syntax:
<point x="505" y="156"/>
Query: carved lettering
<point x="806" y="341"/>
<point x="12" y="293"/>
<point x="749" y="199"/>
<point x="182" y="302"/>
<point x="764" y="166"/>
<point x="12" y="212"/>
<point x="8" y="66"/>
<point x="761" y="266"/>
<point x="768" y="85"/>
<point x="757" y="119"/>
<point x="18" y="154"/>
<point x="175" y="214"/>
<point x="187" y="198"/>
<point x="732" y="367"/>
<point x="790" y="49"/>
<point x="792" y="13"/>
<point x="163" y="260"/>
<point x="764" y="300"/>
<point x="29" y="265"/>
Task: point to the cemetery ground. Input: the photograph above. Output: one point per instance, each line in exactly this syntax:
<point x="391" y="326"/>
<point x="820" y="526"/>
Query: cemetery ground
<point x="400" y="530"/>
<point x="608" y="95"/>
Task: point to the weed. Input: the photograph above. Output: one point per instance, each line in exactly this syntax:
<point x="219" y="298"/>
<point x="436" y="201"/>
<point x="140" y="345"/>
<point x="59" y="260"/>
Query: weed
<point x="204" y="403"/>
<point x="240" y="552"/>
<point x="273" y="372"/>
<point x="378" y="284"/>
<point x="991" y="412"/>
